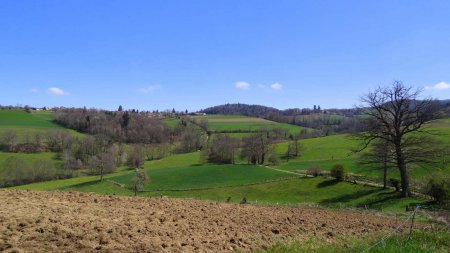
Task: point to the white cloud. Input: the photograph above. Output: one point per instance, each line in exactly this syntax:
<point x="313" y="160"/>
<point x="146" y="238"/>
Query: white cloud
<point x="439" y="86"/>
<point x="276" y="86"/>
<point x="150" y="89"/>
<point x="34" y="90"/>
<point x="56" y="91"/>
<point x="242" y="85"/>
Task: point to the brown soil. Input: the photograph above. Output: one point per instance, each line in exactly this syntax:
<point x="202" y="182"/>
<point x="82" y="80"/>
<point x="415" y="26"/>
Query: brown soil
<point x="83" y="222"/>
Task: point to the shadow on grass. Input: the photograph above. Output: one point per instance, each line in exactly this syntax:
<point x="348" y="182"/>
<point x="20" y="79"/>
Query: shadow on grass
<point x="327" y="183"/>
<point x="80" y="184"/>
<point x="349" y="197"/>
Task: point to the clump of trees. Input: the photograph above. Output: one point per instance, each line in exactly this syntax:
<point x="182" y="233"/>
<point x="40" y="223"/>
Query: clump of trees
<point x="120" y="126"/>
<point x="294" y="147"/>
<point x="136" y="157"/>
<point x="16" y="171"/>
<point x="314" y="171"/>
<point x="438" y="187"/>
<point x="396" y="116"/>
<point x="222" y="149"/>
<point x="256" y="148"/>
<point x="338" y="172"/>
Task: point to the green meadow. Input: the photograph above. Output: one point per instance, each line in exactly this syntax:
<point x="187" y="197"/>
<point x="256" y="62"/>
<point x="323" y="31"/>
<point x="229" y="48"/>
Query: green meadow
<point x="24" y="123"/>
<point x="238" y="123"/>
<point x="189" y="176"/>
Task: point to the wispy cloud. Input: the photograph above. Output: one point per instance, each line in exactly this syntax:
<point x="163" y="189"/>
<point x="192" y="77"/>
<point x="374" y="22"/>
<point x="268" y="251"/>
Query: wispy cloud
<point x="56" y="91"/>
<point x="150" y="89"/>
<point x="242" y="85"/>
<point x="276" y="86"/>
<point x="439" y="86"/>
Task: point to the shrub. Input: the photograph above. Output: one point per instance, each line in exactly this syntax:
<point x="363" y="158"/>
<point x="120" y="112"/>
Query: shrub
<point x="314" y="171"/>
<point x="338" y="172"/>
<point x="395" y="183"/>
<point x="439" y="188"/>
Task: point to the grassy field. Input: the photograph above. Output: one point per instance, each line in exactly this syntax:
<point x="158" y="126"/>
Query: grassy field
<point x="204" y="176"/>
<point x="171" y="122"/>
<point x="238" y="123"/>
<point x="17" y="118"/>
<point x="183" y="176"/>
<point x="418" y="241"/>
<point x="187" y="176"/>
<point x="30" y="158"/>
<point x="23" y="123"/>
<point x="336" y="149"/>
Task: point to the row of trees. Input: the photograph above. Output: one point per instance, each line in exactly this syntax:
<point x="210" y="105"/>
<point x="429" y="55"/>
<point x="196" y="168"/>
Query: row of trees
<point x="256" y="148"/>
<point x="120" y="126"/>
<point x="16" y="171"/>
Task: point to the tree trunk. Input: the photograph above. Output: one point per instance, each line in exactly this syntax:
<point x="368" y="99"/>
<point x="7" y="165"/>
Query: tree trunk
<point x="402" y="168"/>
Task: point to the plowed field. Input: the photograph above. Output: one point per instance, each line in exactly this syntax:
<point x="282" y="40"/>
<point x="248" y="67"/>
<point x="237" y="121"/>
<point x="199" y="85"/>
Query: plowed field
<point x="83" y="222"/>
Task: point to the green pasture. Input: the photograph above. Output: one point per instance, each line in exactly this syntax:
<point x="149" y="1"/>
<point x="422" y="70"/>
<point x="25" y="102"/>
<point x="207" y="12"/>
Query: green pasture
<point x="27" y="124"/>
<point x="250" y="126"/>
<point x="17" y="118"/>
<point x="203" y="176"/>
<point x="171" y="122"/>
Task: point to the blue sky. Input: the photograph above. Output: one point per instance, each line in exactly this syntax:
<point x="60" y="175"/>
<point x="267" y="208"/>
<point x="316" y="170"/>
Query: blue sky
<point x="194" y="54"/>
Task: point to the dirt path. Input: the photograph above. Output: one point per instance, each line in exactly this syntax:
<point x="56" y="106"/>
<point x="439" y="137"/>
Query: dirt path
<point x="83" y="222"/>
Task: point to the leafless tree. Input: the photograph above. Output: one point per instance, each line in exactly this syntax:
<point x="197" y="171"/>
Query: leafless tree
<point x="139" y="180"/>
<point x="9" y="139"/>
<point x="255" y="148"/>
<point x="382" y="156"/>
<point x="136" y="157"/>
<point x="396" y="115"/>
<point x="222" y="149"/>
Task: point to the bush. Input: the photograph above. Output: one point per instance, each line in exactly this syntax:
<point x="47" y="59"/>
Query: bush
<point x="439" y="188"/>
<point x="338" y="172"/>
<point x="314" y="171"/>
<point x="395" y="183"/>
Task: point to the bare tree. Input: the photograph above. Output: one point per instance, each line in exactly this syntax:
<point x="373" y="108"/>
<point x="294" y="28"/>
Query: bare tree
<point x="9" y="139"/>
<point x="136" y="157"/>
<point x="381" y="155"/>
<point x="222" y="149"/>
<point x="255" y="148"/>
<point x="296" y="145"/>
<point x="139" y="180"/>
<point x="396" y="115"/>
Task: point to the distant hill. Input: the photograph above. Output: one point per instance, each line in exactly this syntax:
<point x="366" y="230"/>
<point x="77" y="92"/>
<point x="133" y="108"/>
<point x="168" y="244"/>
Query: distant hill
<point x="328" y="121"/>
<point x="242" y="109"/>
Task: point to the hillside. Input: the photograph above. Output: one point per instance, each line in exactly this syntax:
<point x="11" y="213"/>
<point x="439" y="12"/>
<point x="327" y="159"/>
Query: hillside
<point x="84" y="222"/>
<point x="243" y="124"/>
<point x="28" y="123"/>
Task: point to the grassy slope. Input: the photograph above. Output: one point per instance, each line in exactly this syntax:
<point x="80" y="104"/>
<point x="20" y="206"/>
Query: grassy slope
<point x="203" y="176"/>
<point x="24" y="123"/>
<point x="336" y="149"/>
<point x="236" y="123"/>
<point x="186" y="171"/>
<point x="419" y="241"/>
<point x="29" y="158"/>
<point x="183" y="171"/>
